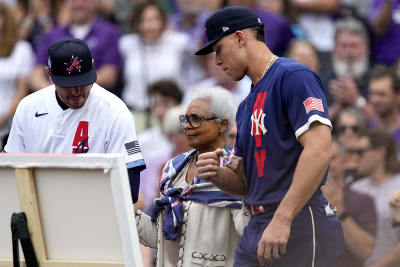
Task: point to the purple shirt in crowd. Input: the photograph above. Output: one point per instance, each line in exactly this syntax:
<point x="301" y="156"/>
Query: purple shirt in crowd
<point x="102" y="40"/>
<point x="277" y="31"/>
<point x="196" y="32"/>
<point x="387" y="47"/>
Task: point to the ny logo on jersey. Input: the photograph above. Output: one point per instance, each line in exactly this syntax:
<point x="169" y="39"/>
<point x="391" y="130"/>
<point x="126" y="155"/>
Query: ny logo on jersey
<point x="257" y="121"/>
<point x="73" y="64"/>
<point x="257" y="130"/>
<point x="257" y="118"/>
<point x="81" y="139"/>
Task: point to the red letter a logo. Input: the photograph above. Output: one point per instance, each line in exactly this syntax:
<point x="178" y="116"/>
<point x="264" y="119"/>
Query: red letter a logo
<point x="81" y="139"/>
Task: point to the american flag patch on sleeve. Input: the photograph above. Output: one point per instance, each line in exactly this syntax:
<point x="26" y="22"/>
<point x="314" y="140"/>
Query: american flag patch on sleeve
<point x="313" y="103"/>
<point x="132" y="147"/>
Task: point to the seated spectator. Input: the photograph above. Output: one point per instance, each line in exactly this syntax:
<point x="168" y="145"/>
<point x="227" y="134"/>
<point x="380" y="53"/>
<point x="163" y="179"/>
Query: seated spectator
<point x="347" y="77"/>
<point x="378" y="163"/>
<point x="355" y="210"/>
<point x="350" y="123"/>
<point x="152" y="53"/>
<point x="305" y="53"/>
<point x="101" y="37"/>
<point x="384" y="91"/>
<point x="193" y="221"/>
<point x="16" y="63"/>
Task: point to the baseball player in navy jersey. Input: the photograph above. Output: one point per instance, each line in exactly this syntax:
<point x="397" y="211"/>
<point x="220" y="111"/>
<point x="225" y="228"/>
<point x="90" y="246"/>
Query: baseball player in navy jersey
<point x="75" y="115"/>
<point x="282" y="149"/>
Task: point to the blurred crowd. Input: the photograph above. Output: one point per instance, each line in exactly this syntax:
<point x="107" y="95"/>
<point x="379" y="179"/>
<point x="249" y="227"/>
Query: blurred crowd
<point x="144" y="53"/>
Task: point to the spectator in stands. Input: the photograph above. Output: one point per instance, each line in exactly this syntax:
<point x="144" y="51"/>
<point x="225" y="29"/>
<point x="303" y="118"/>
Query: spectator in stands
<point x="346" y="80"/>
<point x="355" y="210"/>
<point x="101" y="37"/>
<point x="384" y="91"/>
<point x="378" y="162"/>
<point x="350" y="123"/>
<point x="305" y="53"/>
<point x="16" y="63"/>
<point x="152" y="53"/>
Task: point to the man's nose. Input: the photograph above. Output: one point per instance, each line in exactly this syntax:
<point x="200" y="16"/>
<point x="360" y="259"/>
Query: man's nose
<point x="76" y="91"/>
<point x="218" y="60"/>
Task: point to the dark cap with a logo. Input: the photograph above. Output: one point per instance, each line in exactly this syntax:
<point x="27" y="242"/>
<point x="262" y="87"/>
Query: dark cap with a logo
<point x="70" y="63"/>
<point x="226" y="21"/>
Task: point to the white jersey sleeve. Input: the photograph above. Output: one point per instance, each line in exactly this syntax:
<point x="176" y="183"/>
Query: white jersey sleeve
<point x="121" y="136"/>
<point x="16" y="140"/>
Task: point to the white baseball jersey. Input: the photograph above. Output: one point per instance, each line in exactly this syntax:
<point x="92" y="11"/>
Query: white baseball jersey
<point x="103" y="125"/>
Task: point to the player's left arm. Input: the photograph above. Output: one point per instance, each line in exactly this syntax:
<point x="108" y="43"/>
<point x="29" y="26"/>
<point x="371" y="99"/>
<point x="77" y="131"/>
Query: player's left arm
<point x="310" y="169"/>
<point x="311" y="166"/>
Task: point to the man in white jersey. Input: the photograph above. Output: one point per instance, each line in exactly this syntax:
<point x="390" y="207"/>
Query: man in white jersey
<point x="75" y="115"/>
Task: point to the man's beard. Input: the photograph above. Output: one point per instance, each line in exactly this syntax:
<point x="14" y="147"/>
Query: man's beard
<point x="386" y="112"/>
<point x="350" y="67"/>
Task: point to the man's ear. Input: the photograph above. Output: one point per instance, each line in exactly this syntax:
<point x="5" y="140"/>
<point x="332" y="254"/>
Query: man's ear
<point x="240" y="38"/>
<point x="48" y="72"/>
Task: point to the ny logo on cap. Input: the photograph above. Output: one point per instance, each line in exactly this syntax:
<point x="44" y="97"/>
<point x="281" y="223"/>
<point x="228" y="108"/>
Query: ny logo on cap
<point x="224" y="29"/>
<point x="74" y="64"/>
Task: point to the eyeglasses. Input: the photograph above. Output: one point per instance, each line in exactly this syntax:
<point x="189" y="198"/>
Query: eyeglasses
<point x="354" y="128"/>
<point x="194" y="121"/>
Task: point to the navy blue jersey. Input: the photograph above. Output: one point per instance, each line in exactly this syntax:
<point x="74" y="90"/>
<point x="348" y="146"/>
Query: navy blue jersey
<point x="279" y="108"/>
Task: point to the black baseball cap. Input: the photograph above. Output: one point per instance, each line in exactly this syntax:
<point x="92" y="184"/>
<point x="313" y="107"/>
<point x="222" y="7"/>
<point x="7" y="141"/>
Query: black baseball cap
<point x="226" y="21"/>
<point x="70" y="63"/>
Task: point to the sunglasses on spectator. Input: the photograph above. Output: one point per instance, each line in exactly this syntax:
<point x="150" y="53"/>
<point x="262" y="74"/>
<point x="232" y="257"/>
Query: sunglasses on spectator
<point x="354" y="128"/>
<point x="194" y="120"/>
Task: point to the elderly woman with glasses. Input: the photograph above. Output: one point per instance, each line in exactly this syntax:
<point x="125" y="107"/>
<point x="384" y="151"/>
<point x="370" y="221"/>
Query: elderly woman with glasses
<point x="193" y="222"/>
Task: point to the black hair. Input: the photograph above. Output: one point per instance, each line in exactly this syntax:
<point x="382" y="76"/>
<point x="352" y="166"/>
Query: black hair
<point x="166" y="88"/>
<point x="258" y="32"/>
<point x="380" y="71"/>
<point x="379" y="138"/>
<point x="139" y="10"/>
